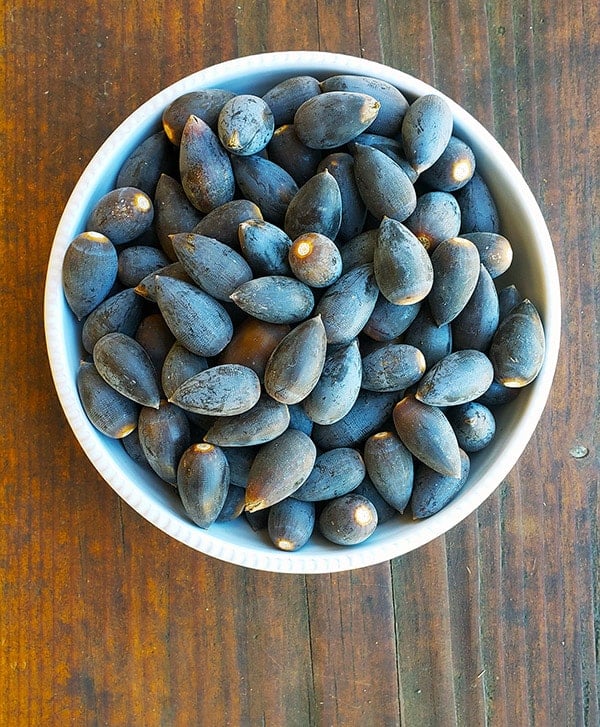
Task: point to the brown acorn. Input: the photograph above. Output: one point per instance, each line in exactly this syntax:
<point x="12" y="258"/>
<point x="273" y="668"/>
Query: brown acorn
<point x="279" y="468"/>
<point x="252" y="344"/>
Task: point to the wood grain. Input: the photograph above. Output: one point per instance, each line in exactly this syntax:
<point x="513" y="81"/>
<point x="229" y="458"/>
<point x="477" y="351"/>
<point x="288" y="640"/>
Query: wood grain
<point x="104" y="620"/>
<point x="354" y="670"/>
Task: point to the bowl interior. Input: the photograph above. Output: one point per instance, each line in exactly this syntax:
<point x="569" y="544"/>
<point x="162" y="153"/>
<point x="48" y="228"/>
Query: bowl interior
<point x="533" y="271"/>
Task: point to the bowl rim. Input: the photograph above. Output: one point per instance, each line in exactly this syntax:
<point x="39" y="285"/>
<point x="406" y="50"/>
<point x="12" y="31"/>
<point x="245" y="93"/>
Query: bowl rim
<point x="261" y="556"/>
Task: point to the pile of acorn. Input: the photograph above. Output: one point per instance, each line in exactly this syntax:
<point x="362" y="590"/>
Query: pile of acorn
<point x="290" y="310"/>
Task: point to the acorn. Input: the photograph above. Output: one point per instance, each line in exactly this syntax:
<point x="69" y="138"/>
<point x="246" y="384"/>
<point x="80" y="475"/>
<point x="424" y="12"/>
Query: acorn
<point x="121" y="214"/>
<point x="204" y="166"/>
<point x="474" y="425"/>
<point x="432" y="491"/>
<point x="245" y="124"/>
<point x="203" y="482"/>
<point x="359" y="250"/>
<point x="125" y="365"/>
<point x="298" y="160"/>
<point x="435" y="218"/>
<point x="131" y="444"/>
<point x="164" y="435"/>
<point x="518" y="346"/>
<point x="295" y="365"/>
<point x="338" y="386"/>
<point x="213" y="265"/>
<point x="347" y="304"/>
<point x="459" y="377"/>
<point x="266" y="184"/>
<point x="497" y="395"/>
<point x="336" y="472"/>
<point x="402" y="266"/>
<point x="393" y="104"/>
<point x="252" y="344"/>
<point x="299" y="419"/>
<point x="240" y="460"/>
<point x="368" y="414"/>
<point x="316" y="207"/>
<point x="384" y="186"/>
<point x="348" y="520"/>
<point x="427" y="434"/>
<point x="179" y="366"/>
<point x="138" y="261"/>
<point x="384" y="510"/>
<point x="392" y="367"/>
<point x="388" y="321"/>
<point x="456" y="265"/>
<point x="288" y="95"/>
<point x="426" y="130"/>
<point x="508" y="298"/>
<point x="223" y="390"/>
<point x="390" y="466"/>
<point x="291" y="523"/>
<point x="331" y="119"/>
<point x="113" y="414"/>
<point x="315" y="260"/>
<point x="279" y="468"/>
<point x="478" y="211"/>
<point x="205" y="104"/>
<point x="89" y="272"/>
<point x="222" y="223"/>
<point x="354" y="211"/>
<point x="275" y="299"/>
<point x="390" y="147"/>
<point x="476" y="324"/>
<point x="495" y="251"/>
<point x="156" y="339"/>
<point x="173" y="212"/>
<point x="233" y="506"/>
<point x="146" y="288"/>
<point x="453" y="169"/>
<point x="151" y="158"/>
<point x="265" y="421"/>
<point x="432" y="340"/>
<point x="265" y="246"/>
<point x="121" y="312"/>
<point x="196" y="319"/>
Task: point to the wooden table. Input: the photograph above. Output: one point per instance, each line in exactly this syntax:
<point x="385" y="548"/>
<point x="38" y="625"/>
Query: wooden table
<point x="104" y="620"/>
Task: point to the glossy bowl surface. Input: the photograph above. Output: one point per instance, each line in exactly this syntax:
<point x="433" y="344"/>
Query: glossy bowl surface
<point x="533" y="270"/>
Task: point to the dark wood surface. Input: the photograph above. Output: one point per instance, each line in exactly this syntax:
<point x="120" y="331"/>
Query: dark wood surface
<point x="104" y="620"/>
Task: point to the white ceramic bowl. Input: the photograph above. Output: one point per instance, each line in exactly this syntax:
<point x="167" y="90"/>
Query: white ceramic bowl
<point x="533" y="271"/>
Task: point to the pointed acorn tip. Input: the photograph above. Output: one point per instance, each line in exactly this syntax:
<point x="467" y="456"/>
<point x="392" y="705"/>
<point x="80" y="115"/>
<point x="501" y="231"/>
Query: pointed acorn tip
<point x="254" y="505"/>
